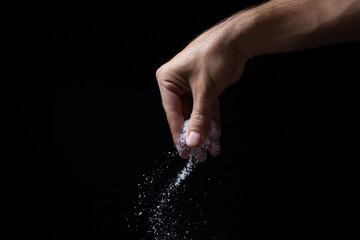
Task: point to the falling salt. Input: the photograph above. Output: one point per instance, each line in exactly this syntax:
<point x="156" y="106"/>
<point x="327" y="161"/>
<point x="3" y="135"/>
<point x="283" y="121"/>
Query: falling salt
<point x="185" y="172"/>
<point x="166" y="218"/>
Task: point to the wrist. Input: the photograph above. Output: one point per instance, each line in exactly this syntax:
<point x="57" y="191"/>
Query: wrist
<point x="242" y="32"/>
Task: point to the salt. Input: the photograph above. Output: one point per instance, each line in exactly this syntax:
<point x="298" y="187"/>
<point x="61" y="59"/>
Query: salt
<point x="211" y="144"/>
<point x="185" y="172"/>
<point x="164" y="215"/>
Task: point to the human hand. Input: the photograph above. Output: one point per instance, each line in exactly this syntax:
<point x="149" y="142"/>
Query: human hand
<point x="191" y="82"/>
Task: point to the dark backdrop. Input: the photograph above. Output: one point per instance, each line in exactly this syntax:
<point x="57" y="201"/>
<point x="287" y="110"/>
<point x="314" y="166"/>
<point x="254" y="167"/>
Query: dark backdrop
<point x="86" y="119"/>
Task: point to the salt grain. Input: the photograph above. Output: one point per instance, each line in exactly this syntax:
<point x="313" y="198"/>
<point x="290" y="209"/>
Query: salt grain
<point x="164" y="216"/>
<point x="211" y="144"/>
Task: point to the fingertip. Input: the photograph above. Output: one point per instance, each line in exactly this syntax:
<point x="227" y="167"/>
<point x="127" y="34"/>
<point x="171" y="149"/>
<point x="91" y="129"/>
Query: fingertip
<point x="214" y="134"/>
<point x="183" y="151"/>
<point x="215" y="149"/>
<point x="200" y="155"/>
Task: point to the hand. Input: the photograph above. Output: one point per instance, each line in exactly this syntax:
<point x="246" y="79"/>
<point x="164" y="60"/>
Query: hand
<point x="191" y="82"/>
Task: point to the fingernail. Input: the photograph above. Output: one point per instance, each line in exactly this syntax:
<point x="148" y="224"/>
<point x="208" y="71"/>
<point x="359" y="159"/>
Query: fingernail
<point x="193" y="139"/>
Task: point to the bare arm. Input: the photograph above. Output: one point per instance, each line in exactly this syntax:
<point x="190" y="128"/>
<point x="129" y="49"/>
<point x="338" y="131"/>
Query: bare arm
<point x="191" y="82"/>
<point x="289" y="25"/>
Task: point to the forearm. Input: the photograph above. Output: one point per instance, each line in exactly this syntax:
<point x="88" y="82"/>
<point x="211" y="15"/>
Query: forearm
<point x="290" y="25"/>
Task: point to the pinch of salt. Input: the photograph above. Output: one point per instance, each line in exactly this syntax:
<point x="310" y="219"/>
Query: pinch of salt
<point x="210" y="144"/>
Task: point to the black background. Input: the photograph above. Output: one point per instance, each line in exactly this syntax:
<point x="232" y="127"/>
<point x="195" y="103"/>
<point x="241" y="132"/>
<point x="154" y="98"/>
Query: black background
<point x="86" y="120"/>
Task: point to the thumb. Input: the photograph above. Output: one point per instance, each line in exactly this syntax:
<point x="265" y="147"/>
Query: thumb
<point x="199" y="124"/>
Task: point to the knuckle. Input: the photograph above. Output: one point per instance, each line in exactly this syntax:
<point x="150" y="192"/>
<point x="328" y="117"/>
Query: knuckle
<point x="198" y="118"/>
<point x="198" y="121"/>
<point x="160" y="72"/>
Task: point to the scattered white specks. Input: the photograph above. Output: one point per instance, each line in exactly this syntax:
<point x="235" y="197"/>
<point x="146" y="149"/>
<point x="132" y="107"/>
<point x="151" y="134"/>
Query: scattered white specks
<point x="165" y="208"/>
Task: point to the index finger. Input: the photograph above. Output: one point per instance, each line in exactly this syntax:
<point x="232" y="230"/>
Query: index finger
<point x="172" y="104"/>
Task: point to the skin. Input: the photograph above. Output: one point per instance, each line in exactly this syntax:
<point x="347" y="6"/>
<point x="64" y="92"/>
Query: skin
<point x="191" y="82"/>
